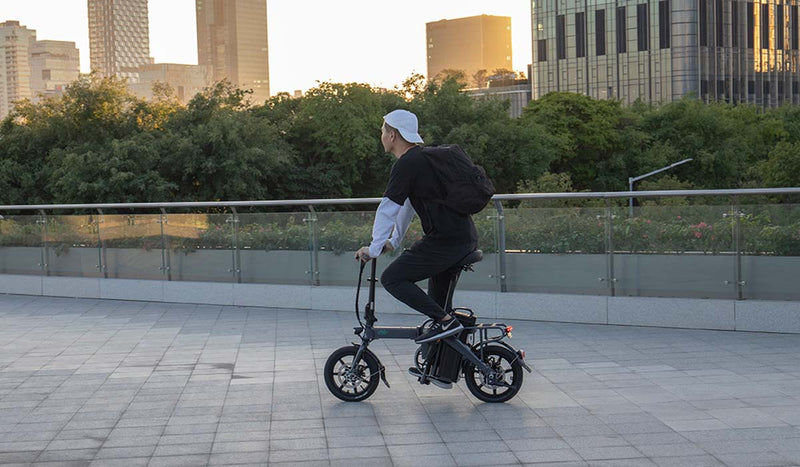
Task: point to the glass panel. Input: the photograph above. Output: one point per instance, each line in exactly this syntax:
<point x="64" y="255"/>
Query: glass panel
<point x="486" y="274"/>
<point x="556" y="250"/>
<point x="770" y="239"/>
<point x="275" y="248"/>
<point x="132" y="246"/>
<point x="340" y="234"/>
<point x="73" y="246"/>
<point x="20" y="245"/>
<point x="675" y="251"/>
<point x="200" y="247"/>
<point x="600" y="28"/>
<point x="621" y="30"/>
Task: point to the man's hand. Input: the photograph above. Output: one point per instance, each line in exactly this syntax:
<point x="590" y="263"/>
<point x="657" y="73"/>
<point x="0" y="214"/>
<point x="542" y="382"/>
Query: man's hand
<point x="363" y="254"/>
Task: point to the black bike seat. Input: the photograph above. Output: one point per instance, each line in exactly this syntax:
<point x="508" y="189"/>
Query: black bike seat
<point x="471" y="258"/>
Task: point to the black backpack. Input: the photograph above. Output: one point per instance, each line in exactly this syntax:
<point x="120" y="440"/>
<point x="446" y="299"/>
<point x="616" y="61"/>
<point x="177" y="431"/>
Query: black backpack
<point x="466" y="186"/>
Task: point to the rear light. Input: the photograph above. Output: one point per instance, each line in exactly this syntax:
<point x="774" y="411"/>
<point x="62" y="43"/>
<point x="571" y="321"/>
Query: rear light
<point x="521" y="354"/>
<point x="509" y="328"/>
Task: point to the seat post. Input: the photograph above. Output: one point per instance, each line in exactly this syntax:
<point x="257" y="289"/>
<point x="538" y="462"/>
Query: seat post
<point x="451" y="290"/>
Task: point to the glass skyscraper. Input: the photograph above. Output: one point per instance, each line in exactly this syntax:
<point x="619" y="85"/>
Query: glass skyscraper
<point x="119" y="37"/>
<point x="232" y="43"/>
<point x="661" y="50"/>
<point x="469" y="44"/>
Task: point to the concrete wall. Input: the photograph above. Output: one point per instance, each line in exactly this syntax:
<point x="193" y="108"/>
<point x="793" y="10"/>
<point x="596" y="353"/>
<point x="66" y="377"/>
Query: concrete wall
<point x="697" y="313"/>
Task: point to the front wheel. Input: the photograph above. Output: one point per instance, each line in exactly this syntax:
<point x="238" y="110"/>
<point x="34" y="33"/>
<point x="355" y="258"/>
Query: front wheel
<point x="506" y="380"/>
<point x="348" y="381"/>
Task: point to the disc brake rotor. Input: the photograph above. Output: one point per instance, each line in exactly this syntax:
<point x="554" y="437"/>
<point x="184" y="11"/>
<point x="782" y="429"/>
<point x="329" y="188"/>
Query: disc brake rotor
<point x="351" y="377"/>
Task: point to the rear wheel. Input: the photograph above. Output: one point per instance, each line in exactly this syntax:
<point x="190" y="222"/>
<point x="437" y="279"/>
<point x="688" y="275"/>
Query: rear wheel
<point x="348" y="381"/>
<point x="506" y="378"/>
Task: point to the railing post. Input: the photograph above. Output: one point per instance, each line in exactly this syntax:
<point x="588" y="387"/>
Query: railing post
<point x="737" y="241"/>
<point x="102" y="265"/>
<point x="44" y="254"/>
<point x="313" y="239"/>
<point x="612" y="281"/>
<point x="236" y="259"/>
<point x="165" y="260"/>
<point x="501" y="244"/>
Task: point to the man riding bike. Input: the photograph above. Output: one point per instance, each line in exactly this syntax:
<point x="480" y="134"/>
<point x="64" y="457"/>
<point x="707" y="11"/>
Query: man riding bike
<point x="448" y="235"/>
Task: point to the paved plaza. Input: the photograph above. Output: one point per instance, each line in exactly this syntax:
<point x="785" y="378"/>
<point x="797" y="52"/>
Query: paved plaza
<point x="98" y="382"/>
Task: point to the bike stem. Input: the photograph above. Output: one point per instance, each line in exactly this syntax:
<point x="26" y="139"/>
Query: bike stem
<point x="369" y="311"/>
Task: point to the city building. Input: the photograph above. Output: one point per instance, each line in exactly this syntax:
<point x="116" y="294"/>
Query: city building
<point x="16" y="42"/>
<point x="232" y="43"/>
<point x="661" y="50"/>
<point x="517" y="91"/>
<point x="119" y="37"/>
<point x="185" y="80"/>
<point x="469" y="44"/>
<point x="54" y="64"/>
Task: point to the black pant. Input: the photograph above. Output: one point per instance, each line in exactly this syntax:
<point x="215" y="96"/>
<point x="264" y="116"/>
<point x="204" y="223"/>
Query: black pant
<point x="424" y="260"/>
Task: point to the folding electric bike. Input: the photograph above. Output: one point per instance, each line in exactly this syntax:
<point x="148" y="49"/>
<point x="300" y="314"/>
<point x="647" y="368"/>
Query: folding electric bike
<point x="491" y="368"/>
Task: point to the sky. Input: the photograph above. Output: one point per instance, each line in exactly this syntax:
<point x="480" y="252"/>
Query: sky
<point x="378" y="42"/>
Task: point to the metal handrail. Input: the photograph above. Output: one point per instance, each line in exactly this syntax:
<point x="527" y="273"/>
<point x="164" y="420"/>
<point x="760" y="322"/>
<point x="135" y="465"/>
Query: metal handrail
<point x="337" y="201"/>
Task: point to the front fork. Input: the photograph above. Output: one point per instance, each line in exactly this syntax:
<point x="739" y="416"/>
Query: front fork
<point x="362" y="349"/>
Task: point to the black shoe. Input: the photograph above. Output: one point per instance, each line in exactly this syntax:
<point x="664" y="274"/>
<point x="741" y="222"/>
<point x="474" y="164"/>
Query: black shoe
<point x="440" y="330"/>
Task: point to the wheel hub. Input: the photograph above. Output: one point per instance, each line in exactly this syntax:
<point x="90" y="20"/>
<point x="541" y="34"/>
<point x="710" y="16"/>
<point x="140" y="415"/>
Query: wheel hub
<point x="350" y="376"/>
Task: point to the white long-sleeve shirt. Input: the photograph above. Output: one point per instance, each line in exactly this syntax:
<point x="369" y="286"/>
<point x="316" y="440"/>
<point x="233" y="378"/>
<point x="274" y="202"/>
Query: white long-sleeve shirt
<point x="391" y="223"/>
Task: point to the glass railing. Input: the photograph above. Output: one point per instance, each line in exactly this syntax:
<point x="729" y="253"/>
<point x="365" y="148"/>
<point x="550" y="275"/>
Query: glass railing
<point x="704" y="244"/>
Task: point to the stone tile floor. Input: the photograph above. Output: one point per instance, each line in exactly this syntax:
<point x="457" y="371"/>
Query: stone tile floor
<point x="94" y="382"/>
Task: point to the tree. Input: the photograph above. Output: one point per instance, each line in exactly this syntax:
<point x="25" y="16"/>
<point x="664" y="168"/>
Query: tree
<point x="335" y="131"/>
<point x="782" y="167"/>
<point x="480" y="78"/>
<point x="218" y="148"/>
<point x="589" y="136"/>
<point x="450" y="74"/>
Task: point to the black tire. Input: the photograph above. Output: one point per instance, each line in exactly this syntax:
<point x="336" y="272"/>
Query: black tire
<point x="352" y="386"/>
<point x="503" y="360"/>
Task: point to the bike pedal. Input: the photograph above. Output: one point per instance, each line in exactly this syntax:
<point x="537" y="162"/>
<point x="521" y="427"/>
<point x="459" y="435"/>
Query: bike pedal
<point x="418" y="374"/>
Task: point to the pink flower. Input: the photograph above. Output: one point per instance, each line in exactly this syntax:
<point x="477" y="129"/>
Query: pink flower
<point x="648" y="221"/>
<point x="697" y="234"/>
<point x="679" y="217"/>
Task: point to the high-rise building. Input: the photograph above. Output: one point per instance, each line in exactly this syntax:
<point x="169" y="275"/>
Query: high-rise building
<point x="54" y="64"/>
<point x="661" y="50"/>
<point x="15" y="71"/>
<point x="119" y="37"/>
<point x="185" y="80"/>
<point x="469" y="44"/>
<point x="232" y="43"/>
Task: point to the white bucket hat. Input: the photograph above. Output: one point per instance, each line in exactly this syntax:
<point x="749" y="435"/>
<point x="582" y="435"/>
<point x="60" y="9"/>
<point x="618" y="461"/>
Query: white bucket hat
<point x="406" y="123"/>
